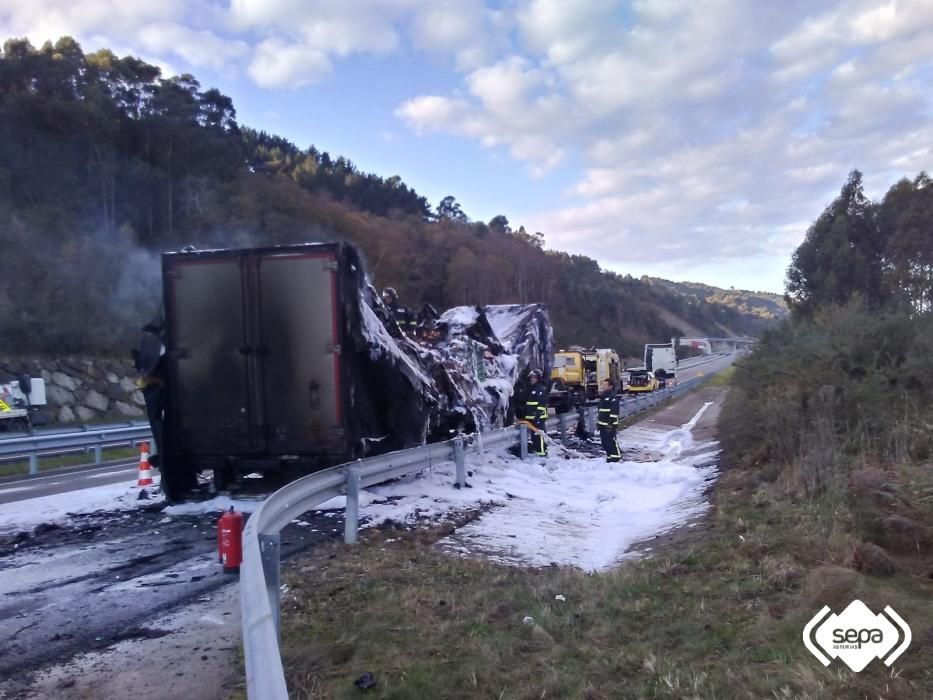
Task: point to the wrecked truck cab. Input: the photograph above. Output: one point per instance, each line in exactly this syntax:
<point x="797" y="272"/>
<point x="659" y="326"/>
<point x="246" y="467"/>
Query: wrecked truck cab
<point x="285" y="359"/>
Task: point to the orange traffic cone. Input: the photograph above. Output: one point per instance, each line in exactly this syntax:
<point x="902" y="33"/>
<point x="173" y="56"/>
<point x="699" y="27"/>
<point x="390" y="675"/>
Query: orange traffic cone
<point x="145" y="471"/>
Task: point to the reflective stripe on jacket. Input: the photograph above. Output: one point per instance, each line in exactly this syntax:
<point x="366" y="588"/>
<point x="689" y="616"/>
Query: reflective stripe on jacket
<point x="608" y="415"/>
<point x="536" y="403"/>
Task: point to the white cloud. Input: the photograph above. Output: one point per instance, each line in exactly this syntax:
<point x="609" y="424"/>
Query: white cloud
<point x="465" y="29"/>
<point x="512" y="106"/>
<point x="198" y="48"/>
<point x="124" y="27"/>
<point x="431" y="113"/>
<point x="42" y="20"/>
<point x="276" y="64"/>
<point x="507" y="85"/>
<point x="565" y="32"/>
<point x="894" y="19"/>
<point x="818" y="173"/>
<point x="705" y="130"/>
<point x="329" y="27"/>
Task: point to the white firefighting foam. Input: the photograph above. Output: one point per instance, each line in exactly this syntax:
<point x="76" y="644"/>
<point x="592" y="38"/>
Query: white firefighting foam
<point x="565" y="509"/>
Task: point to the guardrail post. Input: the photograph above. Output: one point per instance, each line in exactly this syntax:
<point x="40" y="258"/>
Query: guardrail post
<point x="351" y="519"/>
<point x="98" y="456"/>
<point x="269" y="546"/>
<point x="523" y="440"/>
<point x="460" y="461"/>
<point x="562" y="427"/>
<point x="33" y="463"/>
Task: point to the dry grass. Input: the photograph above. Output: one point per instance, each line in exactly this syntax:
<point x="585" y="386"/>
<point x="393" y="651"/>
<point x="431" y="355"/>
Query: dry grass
<point x="723" y="377"/>
<point x="718" y="619"/>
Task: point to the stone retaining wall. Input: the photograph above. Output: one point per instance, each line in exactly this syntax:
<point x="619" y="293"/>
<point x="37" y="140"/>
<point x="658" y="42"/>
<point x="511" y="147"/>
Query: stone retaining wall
<point x="81" y="389"/>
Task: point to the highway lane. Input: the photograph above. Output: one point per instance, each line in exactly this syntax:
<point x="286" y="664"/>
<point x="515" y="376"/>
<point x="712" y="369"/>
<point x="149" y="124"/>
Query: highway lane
<point x="63" y="481"/>
<point x="702" y="367"/>
<point x="106" y="577"/>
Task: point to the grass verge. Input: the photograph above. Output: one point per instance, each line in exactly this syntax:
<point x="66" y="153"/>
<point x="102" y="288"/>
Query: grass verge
<point x="716" y="616"/>
<point x="722" y="377"/>
<point x="58" y="462"/>
<point x="721" y="618"/>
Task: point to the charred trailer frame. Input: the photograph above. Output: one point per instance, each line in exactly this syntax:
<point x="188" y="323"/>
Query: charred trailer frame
<point x="266" y="367"/>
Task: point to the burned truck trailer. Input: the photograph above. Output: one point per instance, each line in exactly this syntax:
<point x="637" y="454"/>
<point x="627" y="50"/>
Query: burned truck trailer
<point x="286" y="359"/>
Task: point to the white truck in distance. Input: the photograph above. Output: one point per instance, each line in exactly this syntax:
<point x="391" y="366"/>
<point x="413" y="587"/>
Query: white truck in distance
<point x="661" y="361"/>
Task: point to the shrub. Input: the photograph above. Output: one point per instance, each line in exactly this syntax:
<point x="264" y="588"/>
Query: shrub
<point x="815" y="394"/>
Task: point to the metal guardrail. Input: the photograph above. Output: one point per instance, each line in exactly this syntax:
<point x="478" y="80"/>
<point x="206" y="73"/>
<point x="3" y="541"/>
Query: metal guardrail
<point x="259" y="573"/>
<point x="77" y="428"/>
<point x="46" y="444"/>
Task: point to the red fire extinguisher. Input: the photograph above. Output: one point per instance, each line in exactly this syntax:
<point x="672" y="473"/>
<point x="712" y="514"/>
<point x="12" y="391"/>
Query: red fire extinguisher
<point x="230" y="540"/>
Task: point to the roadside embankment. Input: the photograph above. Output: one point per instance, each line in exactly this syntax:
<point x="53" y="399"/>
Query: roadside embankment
<point x="715" y="609"/>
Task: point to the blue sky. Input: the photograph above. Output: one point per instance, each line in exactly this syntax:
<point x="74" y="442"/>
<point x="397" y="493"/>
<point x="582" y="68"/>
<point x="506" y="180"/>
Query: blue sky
<point x="694" y="141"/>
<point x="351" y="113"/>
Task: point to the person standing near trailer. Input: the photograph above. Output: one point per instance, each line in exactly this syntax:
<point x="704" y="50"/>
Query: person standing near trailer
<point x="608" y="421"/>
<point x="536" y="411"/>
<point x="402" y="314"/>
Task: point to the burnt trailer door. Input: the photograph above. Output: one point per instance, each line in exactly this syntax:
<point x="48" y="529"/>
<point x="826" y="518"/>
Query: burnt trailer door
<point x="207" y="351"/>
<point x="253" y="352"/>
<point x="300" y="359"/>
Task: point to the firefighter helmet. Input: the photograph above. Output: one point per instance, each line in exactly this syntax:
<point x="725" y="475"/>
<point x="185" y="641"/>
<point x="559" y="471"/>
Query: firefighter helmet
<point x="536" y="373"/>
<point x="391" y="294"/>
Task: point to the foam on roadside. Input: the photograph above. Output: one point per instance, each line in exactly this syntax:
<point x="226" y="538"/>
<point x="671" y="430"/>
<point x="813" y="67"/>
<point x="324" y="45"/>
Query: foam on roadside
<point x="58" y="508"/>
<point x="579" y="510"/>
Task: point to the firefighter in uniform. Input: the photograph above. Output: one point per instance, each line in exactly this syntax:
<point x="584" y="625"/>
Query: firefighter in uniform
<point x="608" y="420"/>
<point x="536" y="410"/>
<point x="402" y="315"/>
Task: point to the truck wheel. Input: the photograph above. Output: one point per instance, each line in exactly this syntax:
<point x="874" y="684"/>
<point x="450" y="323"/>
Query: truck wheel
<point x="19" y="425"/>
<point x="221" y="478"/>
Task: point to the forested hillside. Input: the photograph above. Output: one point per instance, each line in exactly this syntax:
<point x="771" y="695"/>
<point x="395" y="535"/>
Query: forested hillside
<point x="104" y="164"/>
<point x="765" y="305"/>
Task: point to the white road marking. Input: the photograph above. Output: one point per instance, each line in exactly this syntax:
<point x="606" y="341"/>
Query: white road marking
<point x="113" y="473"/>
<point x="15" y="489"/>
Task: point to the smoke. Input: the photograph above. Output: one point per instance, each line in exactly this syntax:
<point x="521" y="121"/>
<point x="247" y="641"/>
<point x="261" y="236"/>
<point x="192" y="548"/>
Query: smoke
<point x="68" y="289"/>
<point x="137" y="294"/>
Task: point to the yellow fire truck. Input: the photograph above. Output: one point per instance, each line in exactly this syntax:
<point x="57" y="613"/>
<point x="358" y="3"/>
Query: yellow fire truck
<point x="577" y="374"/>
